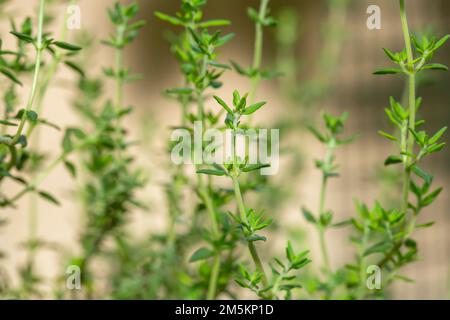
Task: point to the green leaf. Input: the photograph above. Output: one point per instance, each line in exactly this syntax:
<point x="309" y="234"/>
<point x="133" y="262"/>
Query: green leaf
<point x="8" y="123"/>
<point x="418" y="136"/>
<point x="22" y="36"/>
<point x="75" y="67"/>
<point x="254" y="167"/>
<point x="253" y="108"/>
<point x="214" y="23"/>
<point x="300" y="263"/>
<point x="223" y="104"/>
<point x="32" y="116"/>
<point x="378" y="248"/>
<point x="387" y="135"/>
<point x="436" y="148"/>
<point x="137" y="25"/>
<point x="219" y="65"/>
<point x="426" y="225"/>
<point x="253" y="15"/>
<point x="67" y="46"/>
<point x="415" y="189"/>
<point x="223" y="40"/>
<point x="388" y="71"/>
<point x="342" y="223"/>
<point x="393" y="160"/>
<point x="435" y="66"/>
<point x="390" y="54"/>
<point x="47" y="196"/>
<point x="271" y="74"/>
<point x="326" y="218"/>
<point x="255" y="237"/>
<point x="317" y="134"/>
<point x="201" y="254"/>
<point x="441" y="42"/>
<point x="241" y="283"/>
<point x="430" y="198"/>
<point x="392" y="117"/>
<point x="422" y="174"/>
<point x="290" y="252"/>
<point x="437" y="136"/>
<point x="10" y="75"/>
<point x="308" y="215"/>
<point x="398" y="109"/>
<point x="179" y="91"/>
<point x="239" y="69"/>
<point x="173" y="20"/>
<point x="71" y="168"/>
<point x="23" y="141"/>
<point x="236" y="97"/>
<point x="403" y="278"/>
<point x="211" y="172"/>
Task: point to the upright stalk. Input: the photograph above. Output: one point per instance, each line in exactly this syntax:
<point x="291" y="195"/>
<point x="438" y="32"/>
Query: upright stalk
<point x="33" y="205"/>
<point x="205" y="194"/>
<point x="412" y="106"/>
<point x="37" y="67"/>
<point x="243" y="214"/>
<point x="323" y="243"/>
<point x="323" y="192"/>
<point x="118" y="69"/>
<point x="258" y="50"/>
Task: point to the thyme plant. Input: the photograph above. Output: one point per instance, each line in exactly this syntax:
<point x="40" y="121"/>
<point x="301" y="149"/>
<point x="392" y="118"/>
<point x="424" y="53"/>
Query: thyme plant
<point x="250" y="221"/>
<point x="397" y="247"/>
<point x="332" y="139"/>
<point x="109" y="192"/>
<point x="255" y="73"/>
<point x="196" y="51"/>
<point x="215" y="246"/>
<point x="383" y="237"/>
<point x="19" y="162"/>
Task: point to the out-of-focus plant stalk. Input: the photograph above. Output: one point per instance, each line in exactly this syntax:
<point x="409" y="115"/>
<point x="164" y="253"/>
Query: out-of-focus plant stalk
<point x="258" y="50"/>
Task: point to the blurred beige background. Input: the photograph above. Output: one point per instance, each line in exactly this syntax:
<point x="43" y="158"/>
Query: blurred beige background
<point x="354" y="89"/>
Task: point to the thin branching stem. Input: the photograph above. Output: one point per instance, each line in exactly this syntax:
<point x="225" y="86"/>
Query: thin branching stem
<point x="206" y="197"/>
<point x="37" y="67"/>
<point x="258" y="50"/>
<point x="323" y="242"/>
<point x="411" y="106"/>
<point x="243" y="212"/>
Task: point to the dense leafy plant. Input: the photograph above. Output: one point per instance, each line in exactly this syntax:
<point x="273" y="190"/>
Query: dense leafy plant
<point x="395" y="244"/>
<point x="21" y="162"/>
<point x="384" y="237"/>
<point x="196" y="51"/>
<point x="324" y="217"/>
<point x="216" y="242"/>
<point x="250" y="221"/>
<point x="110" y="189"/>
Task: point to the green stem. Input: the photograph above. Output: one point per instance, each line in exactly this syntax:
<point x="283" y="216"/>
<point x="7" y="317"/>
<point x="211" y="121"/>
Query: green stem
<point x="212" y="287"/>
<point x="243" y="214"/>
<point x="44" y="174"/>
<point x="322" y="199"/>
<point x="119" y="79"/>
<point x="33" y="210"/>
<point x="412" y="106"/>
<point x="205" y="192"/>
<point x="407" y="142"/>
<point x="37" y="67"/>
<point x="361" y="292"/>
<point x="258" y="50"/>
